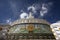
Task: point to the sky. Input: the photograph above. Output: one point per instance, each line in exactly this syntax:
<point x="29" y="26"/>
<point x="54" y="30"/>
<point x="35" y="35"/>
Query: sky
<point x="11" y="10"/>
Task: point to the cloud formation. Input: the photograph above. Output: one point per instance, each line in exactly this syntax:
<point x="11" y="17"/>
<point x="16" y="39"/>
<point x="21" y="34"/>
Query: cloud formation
<point x="8" y="21"/>
<point x="43" y="10"/>
<point x="37" y="8"/>
<point x="32" y="9"/>
<point x="23" y="15"/>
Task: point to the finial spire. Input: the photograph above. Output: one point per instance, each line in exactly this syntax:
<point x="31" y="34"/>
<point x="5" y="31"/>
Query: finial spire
<point x="30" y="15"/>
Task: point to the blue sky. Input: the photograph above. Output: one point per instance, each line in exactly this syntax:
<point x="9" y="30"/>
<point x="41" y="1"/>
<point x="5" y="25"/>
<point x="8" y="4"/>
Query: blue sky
<point x="11" y="9"/>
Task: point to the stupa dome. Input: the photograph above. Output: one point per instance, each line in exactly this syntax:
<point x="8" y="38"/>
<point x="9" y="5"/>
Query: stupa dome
<point x="30" y="28"/>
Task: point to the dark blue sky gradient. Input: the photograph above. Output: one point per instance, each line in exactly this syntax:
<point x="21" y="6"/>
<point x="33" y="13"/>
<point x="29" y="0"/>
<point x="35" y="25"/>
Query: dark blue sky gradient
<point x="7" y="12"/>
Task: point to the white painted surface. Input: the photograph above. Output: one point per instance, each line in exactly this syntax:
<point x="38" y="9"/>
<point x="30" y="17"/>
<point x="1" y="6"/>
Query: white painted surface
<point x="55" y="29"/>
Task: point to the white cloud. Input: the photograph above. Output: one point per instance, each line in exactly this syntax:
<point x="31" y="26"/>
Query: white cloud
<point x="32" y="8"/>
<point x="8" y="21"/>
<point x="37" y="6"/>
<point x="24" y="15"/>
<point x="44" y="10"/>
